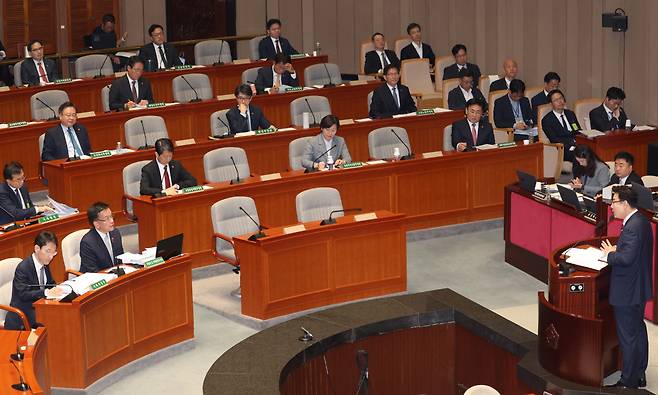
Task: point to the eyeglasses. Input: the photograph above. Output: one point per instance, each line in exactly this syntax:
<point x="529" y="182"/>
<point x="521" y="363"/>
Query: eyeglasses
<point x="36" y="49"/>
<point x="244" y="98"/>
<point x="108" y="218"/>
<point x="617" y="201"/>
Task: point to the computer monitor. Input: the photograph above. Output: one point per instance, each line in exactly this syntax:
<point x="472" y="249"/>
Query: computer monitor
<point x="527" y="181"/>
<point x="169" y="247"/>
<point x="569" y="197"/>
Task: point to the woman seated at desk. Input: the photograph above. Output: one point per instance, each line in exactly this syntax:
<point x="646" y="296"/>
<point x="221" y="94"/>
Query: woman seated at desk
<point x="590" y="173"/>
<point x="326" y="149"/>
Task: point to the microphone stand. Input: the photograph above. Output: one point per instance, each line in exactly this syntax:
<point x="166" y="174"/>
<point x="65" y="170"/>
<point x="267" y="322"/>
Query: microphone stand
<point x="146" y="143"/>
<point x="235" y="180"/>
<point x="219" y="57"/>
<point x="409" y="155"/>
<point x="21" y="385"/>
<point x="100" y="71"/>
<point x="50" y="108"/>
<point x="228" y="134"/>
<point x="330" y="84"/>
<point x="332" y="220"/>
<point x="260" y="233"/>
<point x="315" y="122"/>
<point x="196" y="99"/>
<point x="313" y="169"/>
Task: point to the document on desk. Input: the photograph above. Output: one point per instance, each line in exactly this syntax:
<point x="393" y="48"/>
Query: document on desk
<point x="592" y="133"/>
<point x="590" y="258"/>
<point x="61" y="209"/>
<point x="82" y="284"/>
<point x="146" y="255"/>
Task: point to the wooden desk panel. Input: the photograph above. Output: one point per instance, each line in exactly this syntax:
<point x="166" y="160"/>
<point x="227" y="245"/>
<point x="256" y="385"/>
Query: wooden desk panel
<point x="637" y="143"/>
<point x="105" y="329"/>
<point x="34" y="366"/>
<point x="86" y="94"/>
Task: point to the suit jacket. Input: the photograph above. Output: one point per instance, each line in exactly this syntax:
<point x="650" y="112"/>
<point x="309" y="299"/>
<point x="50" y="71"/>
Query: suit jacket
<point x="633" y="177"/>
<point x="461" y="133"/>
<point x="54" y="143"/>
<point x="316" y="147"/>
<point x="94" y="256"/>
<point x="556" y="133"/>
<point x="266" y="48"/>
<point x="23" y="294"/>
<point x="452" y="71"/>
<point x="630" y="281"/>
<point x="30" y="74"/>
<point x="409" y="52"/>
<point x="538" y="100"/>
<point x="147" y="52"/>
<point x="498" y="85"/>
<point x="237" y="123"/>
<point x="598" y="118"/>
<point x="383" y="103"/>
<point x="151" y="182"/>
<point x="593" y="185"/>
<point x="456" y="100"/>
<point x="374" y="62"/>
<point x="265" y="79"/>
<point x="121" y="92"/>
<point x="504" y="114"/>
<point x="10" y="206"/>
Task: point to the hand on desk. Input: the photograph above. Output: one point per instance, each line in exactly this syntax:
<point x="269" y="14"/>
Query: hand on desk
<point x="320" y="165"/>
<point x="171" y="191"/>
<point x="132" y="104"/>
<point x="339" y="163"/>
<point x="44" y="209"/>
<point x="607" y="248"/>
<point x="461" y="147"/>
<point x="55" y="292"/>
<point x="520" y="125"/>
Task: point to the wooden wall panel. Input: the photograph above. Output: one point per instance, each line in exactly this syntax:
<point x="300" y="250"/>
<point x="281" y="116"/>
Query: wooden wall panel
<point x="14" y="12"/>
<point x="41" y="23"/>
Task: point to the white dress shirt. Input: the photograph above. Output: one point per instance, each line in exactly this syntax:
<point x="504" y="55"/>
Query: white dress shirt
<point x="247" y="115"/>
<point x="559" y="117"/>
<point x="274" y="74"/>
<point x="476" y="125"/>
<point x="622" y="181"/>
<point x="37" y="266"/>
<point x="161" y="63"/>
<point x="162" y="167"/>
<point x="69" y="143"/>
<point x="608" y="111"/>
<point x="108" y="243"/>
<point x="468" y="95"/>
<point x="419" y="48"/>
<point x="395" y="91"/>
<point x="379" y="56"/>
<point x="507" y="81"/>
<point x="130" y="84"/>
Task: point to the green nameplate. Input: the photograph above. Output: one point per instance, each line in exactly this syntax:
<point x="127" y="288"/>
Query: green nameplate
<point x="98" y="284"/>
<point x="297" y="56"/>
<point x="352" y="164"/>
<point x="154" y="262"/>
<point x="507" y="145"/>
<point x="264" y="131"/>
<point x="425" y="111"/>
<point x="17" y="124"/>
<point x="155" y="105"/>
<point x="294" y="89"/>
<point x="195" y="188"/>
<point x="100" y="154"/>
<point x="48" y="218"/>
<point x="63" y="80"/>
<point x="183" y="67"/>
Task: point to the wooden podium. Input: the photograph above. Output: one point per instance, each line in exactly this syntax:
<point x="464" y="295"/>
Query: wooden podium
<point x="33" y="368"/>
<point x="577" y="339"/>
<point x="321" y="265"/>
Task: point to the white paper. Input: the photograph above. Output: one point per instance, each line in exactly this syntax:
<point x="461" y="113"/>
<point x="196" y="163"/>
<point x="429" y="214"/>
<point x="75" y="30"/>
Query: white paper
<point x="82" y="284"/>
<point x="363" y="119"/>
<point x="376" y="162"/>
<point x="411" y="114"/>
<point x="591" y="258"/>
<point x="61" y="209"/>
<point x="643" y="128"/>
<point x="485" y="147"/>
<point x="592" y="133"/>
<point x="286" y="130"/>
<point x="439" y="109"/>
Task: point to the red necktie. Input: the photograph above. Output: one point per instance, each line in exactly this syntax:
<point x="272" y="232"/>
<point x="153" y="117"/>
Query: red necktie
<point x="166" y="178"/>
<point x="474" y="133"/>
<point x="42" y="73"/>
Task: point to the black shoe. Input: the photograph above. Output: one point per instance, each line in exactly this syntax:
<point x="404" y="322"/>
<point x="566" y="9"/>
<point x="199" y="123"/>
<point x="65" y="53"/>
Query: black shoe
<point x="618" y="384"/>
<point x="642" y="383"/>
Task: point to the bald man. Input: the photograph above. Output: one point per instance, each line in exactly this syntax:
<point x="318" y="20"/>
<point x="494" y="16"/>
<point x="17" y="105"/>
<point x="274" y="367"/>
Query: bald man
<point x="511" y="68"/>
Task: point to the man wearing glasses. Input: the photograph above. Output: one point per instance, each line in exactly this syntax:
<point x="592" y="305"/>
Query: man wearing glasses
<point x="15" y="202"/>
<point x="69" y="139"/>
<point x="245" y="117"/>
<point x="159" y="54"/>
<point x="100" y="247"/>
<point x="38" y="71"/>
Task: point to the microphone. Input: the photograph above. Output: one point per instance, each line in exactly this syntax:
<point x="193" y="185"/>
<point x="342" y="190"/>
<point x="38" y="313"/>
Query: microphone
<point x="333" y="220"/>
<point x="405" y="146"/>
<point x="312" y="169"/>
<point x="196" y="99"/>
<point x="46" y="104"/>
<point x="118" y="270"/>
<point x="219" y="57"/>
<point x="100" y="71"/>
<point x="146" y="143"/>
<point x="235" y="180"/>
<point x="228" y="134"/>
<point x="18" y="355"/>
<point x="315" y="122"/>
<point x="260" y="228"/>
<point x="22" y="385"/>
<point x="330" y="84"/>
<point x="362" y="364"/>
<point x="306" y="337"/>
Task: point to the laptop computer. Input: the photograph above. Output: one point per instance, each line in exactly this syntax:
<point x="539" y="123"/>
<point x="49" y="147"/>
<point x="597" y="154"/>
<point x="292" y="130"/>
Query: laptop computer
<point x="569" y="197"/>
<point x="526" y="181"/>
<point x="169" y="247"/>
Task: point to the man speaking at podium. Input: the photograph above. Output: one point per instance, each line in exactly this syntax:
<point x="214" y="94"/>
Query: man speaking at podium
<point x="630" y="285"/>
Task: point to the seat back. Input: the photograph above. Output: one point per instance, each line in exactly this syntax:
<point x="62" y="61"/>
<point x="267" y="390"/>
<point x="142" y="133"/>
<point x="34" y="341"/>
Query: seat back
<point x="448" y="85"/>
<point x="71" y="249"/>
<point x="217" y="127"/>
<point x="229" y="220"/>
<point x="250" y="75"/>
<point x="649" y="181"/>
<point x="439" y="64"/>
<point x="541" y="113"/>
<point x="218" y="167"/>
<point x="105" y="98"/>
<point x="532" y="91"/>
<point x="90" y="66"/>
<point x="481" y="390"/>
<point x="53" y="98"/>
<point x="7" y="270"/>
<point x="209" y="52"/>
<point x="319" y="105"/>
<point x="316" y="74"/>
<point x="316" y="204"/>
<point x="18" y="80"/>
<point x="582" y="108"/>
<point x="553" y="160"/>
<point x="183" y="93"/>
<point x="485" y="83"/>
<point x="447" y="139"/>
<point x="401" y="43"/>
<point x="154" y="128"/>
<point x="493" y="96"/>
<point x="42" y="137"/>
<point x="611" y="166"/>
<point x="415" y="74"/>
<point x="382" y="142"/>
<point x="370" y="100"/>
<point x="366" y="47"/>
<point x="132" y="176"/>
<point x="253" y="47"/>
<point x="296" y="151"/>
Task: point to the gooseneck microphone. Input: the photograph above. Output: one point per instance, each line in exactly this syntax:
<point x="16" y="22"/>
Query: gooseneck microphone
<point x="18" y="355"/>
<point x="312" y="169"/>
<point x="196" y="94"/>
<point x="100" y="70"/>
<point x="330" y="84"/>
<point x="315" y="121"/>
<point x="50" y="108"/>
<point x="362" y="364"/>
<point x="260" y="233"/>
<point x="237" y="173"/>
<point x="21" y="385"/>
<point x="332" y="220"/>
<point x="146" y="143"/>
<point x="219" y="57"/>
<point x="227" y="128"/>
<point x="409" y="155"/>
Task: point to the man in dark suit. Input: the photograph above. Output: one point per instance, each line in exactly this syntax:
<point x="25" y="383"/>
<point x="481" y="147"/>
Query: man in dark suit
<point x="158" y="54"/>
<point x="624" y="173"/>
<point x="5" y="75"/>
<point x="274" y="43"/>
<point x="33" y="281"/>
<point x="458" y="97"/>
<point x="551" y="83"/>
<point x="391" y="98"/>
<point x="100" y="246"/>
<point x="609" y="115"/>
<point x="281" y="73"/>
<point x="105" y="37"/>
<point x="68" y="139"/>
<point x="461" y="62"/>
<point x="131" y="90"/>
<point x="245" y="116"/>
<point x="379" y="58"/>
<point x="513" y="111"/>
<point x="15" y="202"/>
<point x="37" y="70"/>
<point x="417" y="49"/>
<point x="630" y="284"/>
<point x="164" y="175"/>
<point x="472" y="130"/>
<point x="561" y="124"/>
<point x="511" y="68"/>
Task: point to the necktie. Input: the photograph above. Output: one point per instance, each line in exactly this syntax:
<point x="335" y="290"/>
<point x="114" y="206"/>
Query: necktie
<point x="249" y="119"/>
<point x="277" y="80"/>
<point x="278" y="47"/>
<point x="42" y="72"/>
<point x="134" y="89"/>
<point x="564" y="123"/>
<point x="609" y="115"/>
<point x="108" y="245"/>
<point x="395" y="97"/>
<point x="164" y="58"/>
<point x="384" y="60"/>
<point x="20" y="198"/>
<point x="167" y="180"/>
<point x="42" y="278"/>
<point x="474" y="133"/>
<point x="74" y="141"/>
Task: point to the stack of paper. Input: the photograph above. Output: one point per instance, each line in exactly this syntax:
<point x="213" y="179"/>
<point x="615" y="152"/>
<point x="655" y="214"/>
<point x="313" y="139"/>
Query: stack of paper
<point x="61" y="209"/>
<point x="590" y="258"/>
<point x="139" y="259"/>
<point x="592" y="133"/>
<point x="82" y="284"/>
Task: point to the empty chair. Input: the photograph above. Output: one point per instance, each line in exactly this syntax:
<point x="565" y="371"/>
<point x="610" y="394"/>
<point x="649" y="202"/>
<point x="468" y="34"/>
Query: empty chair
<point x="212" y="51"/>
<point x="40" y="101"/>
<point x="7" y="270"/>
<point x="319" y="106"/>
<point x="582" y="108"/>
<point x="218" y="167"/>
<point x="316" y="204"/>
<point x="447" y="139"/>
<point x="93" y="65"/>
<point x="415" y="74"/>
<point x="219" y="123"/>
<point x="401" y="43"/>
<point x="485" y="84"/>
<point x="132" y="176"/>
<point x="533" y="91"/>
<point x="249" y="75"/>
<point x="253" y="47"/>
<point x="71" y="251"/>
<point x="296" y="151"/>
<point x="650" y="181"/>
<point x="317" y="74"/>
<point x="152" y="126"/>
<point x="229" y="221"/>
<point x="370" y="100"/>
<point x="382" y="142"/>
<point x="105" y="98"/>
<point x="184" y="93"/>
<point x="18" y="81"/>
<point x="481" y="390"/>
<point x="441" y="63"/>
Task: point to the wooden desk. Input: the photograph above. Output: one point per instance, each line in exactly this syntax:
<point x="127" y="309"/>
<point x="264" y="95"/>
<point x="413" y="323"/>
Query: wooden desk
<point x="86" y="94"/>
<point x="184" y="121"/>
<point x="637" y="143"/>
<point x="322" y="265"/>
<point x="134" y="315"/>
<point x="33" y="368"/>
<point x="76" y="183"/>
<point x="454" y="188"/>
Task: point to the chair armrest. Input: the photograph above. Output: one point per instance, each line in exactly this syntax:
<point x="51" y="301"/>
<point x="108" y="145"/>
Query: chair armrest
<point x="74" y="272"/>
<point x="217" y="255"/>
<point x="124" y="207"/>
<point x="26" y="323"/>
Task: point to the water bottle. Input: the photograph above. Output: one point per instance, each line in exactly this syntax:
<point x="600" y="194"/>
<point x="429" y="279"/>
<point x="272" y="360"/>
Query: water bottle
<point x="317" y="49"/>
<point x="330" y="161"/>
<point x="119" y="148"/>
<point x="396" y="154"/>
<point x="628" y="124"/>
